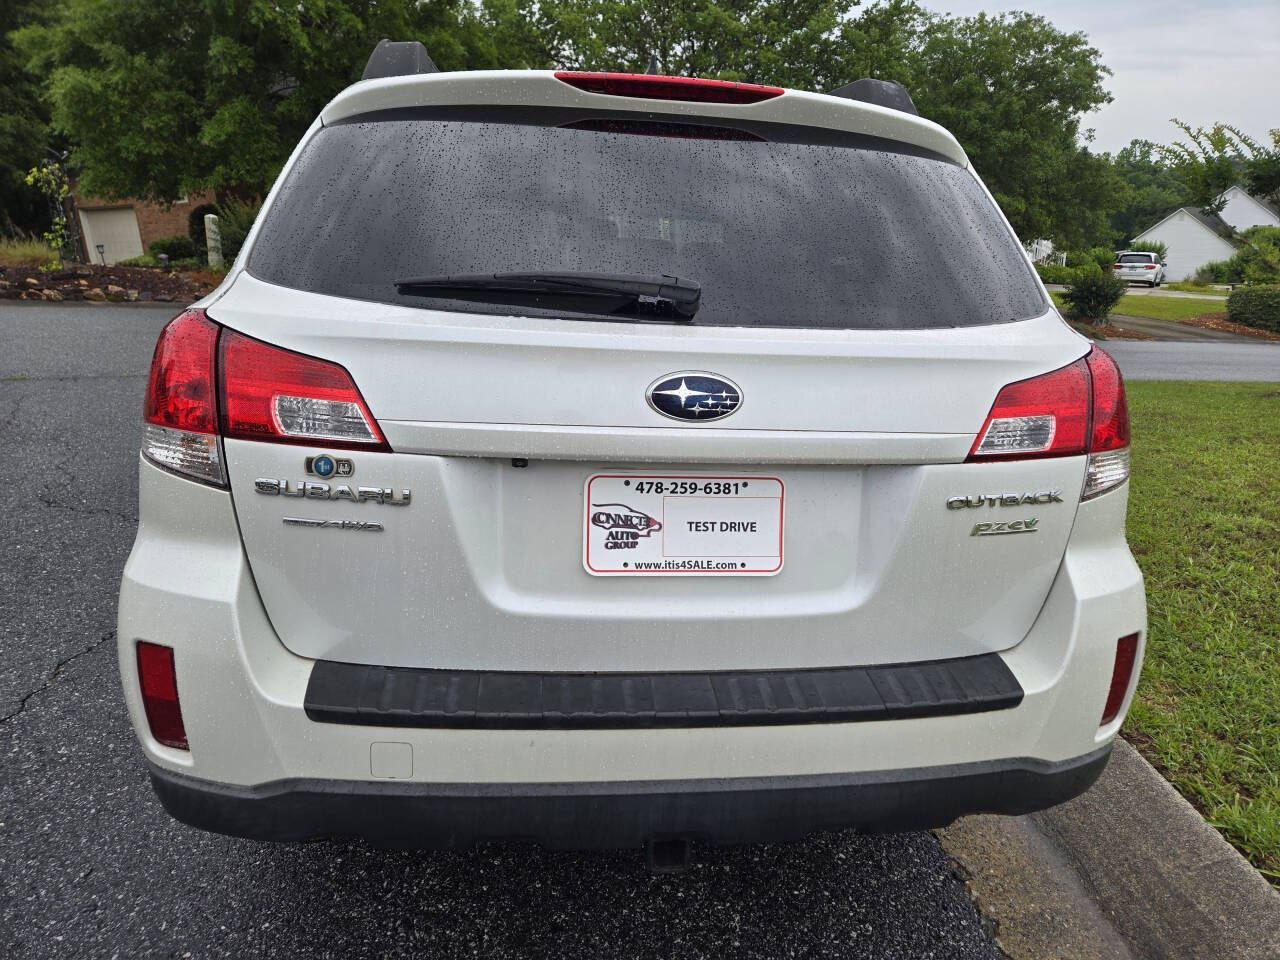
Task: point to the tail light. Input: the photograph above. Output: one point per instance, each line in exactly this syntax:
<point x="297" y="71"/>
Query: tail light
<point x="1115" y="266"/>
<point x="651" y="87"/>
<point x="1149" y="266"/>
<point x="284" y="397"/>
<point x="180" y="412"/>
<point x="1080" y="408"/>
<point x="159" y="682"/>
<point x="1121" y="675"/>
<point x="208" y="383"/>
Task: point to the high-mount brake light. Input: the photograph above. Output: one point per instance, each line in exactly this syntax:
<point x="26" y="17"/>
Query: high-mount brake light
<point x="655" y="87"/>
<point x="180" y="428"/>
<point x="1078" y="409"/>
<point x="276" y="395"/>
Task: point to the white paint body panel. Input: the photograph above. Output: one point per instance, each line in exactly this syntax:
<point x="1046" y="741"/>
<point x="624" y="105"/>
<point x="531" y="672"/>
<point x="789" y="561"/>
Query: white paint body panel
<point x="188" y="584"/>
<point x="483" y="569"/>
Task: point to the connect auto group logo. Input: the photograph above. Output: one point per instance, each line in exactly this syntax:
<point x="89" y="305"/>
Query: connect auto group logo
<point x="625" y="525"/>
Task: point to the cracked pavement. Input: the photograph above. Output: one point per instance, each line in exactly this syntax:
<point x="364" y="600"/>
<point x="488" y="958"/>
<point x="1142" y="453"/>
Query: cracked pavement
<point x="90" y="866"/>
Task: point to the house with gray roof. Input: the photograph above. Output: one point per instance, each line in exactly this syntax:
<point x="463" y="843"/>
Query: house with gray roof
<point x="1193" y="238"/>
<point x="1243" y="210"/>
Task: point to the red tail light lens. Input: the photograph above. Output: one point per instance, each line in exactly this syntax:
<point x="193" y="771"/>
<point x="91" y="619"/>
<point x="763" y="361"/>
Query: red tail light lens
<point x="1149" y="266"/>
<point x="180" y="393"/>
<point x="1078" y="409"/>
<point x="652" y="87"/>
<point x="1046" y="416"/>
<point x="180" y="411"/>
<point x="1121" y="674"/>
<point x="273" y="394"/>
<point x="1115" y="266"/>
<point x="1110" y="407"/>
<point x="159" y="682"/>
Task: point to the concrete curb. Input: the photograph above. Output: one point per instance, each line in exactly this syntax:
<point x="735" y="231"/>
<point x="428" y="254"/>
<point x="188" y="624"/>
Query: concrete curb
<point x="1128" y="869"/>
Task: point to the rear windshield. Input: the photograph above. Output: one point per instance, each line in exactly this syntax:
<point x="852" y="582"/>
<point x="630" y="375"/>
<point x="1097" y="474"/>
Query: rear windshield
<point x="781" y="226"/>
<point x="1136" y="258"/>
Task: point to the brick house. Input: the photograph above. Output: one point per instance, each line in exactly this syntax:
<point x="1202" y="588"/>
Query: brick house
<point x="125" y="228"/>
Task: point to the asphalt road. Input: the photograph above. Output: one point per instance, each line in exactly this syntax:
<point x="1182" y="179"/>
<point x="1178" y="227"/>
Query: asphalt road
<point x="1244" y="360"/>
<point x="90" y="866"/>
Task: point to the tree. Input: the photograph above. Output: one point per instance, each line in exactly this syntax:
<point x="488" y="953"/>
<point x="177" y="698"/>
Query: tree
<point x="1013" y="89"/>
<point x="1214" y="159"/>
<point x="168" y="97"/>
<point x="1152" y="191"/>
<point x="24" y="127"/>
<point x="796" y="43"/>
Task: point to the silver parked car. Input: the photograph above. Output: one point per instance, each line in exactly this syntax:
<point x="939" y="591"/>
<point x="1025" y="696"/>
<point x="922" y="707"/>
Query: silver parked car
<point x="1138" y="266"/>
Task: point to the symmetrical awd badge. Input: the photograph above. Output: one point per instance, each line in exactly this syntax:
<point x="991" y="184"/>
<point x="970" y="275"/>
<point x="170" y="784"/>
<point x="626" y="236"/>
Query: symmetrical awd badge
<point x="694" y="395"/>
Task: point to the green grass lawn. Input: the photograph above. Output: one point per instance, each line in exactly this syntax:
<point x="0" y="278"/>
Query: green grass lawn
<point x="1204" y="524"/>
<point x="1195" y="288"/>
<point x="1167" y="308"/>
<point x="1158" y="308"/>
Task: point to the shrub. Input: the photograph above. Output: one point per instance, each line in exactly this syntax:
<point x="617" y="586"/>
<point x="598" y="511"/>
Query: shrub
<point x="1152" y="246"/>
<point x="235" y="218"/>
<point x="1102" y="256"/>
<point x="146" y="260"/>
<point x="1257" y="307"/>
<point x="26" y="252"/>
<point x="177" y="247"/>
<point x="1092" y="294"/>
<point x="1052" y="273"/>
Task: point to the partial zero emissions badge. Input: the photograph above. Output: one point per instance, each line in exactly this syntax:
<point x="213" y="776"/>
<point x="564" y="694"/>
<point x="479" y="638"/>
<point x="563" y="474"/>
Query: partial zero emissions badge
<point x="327" y="466"/>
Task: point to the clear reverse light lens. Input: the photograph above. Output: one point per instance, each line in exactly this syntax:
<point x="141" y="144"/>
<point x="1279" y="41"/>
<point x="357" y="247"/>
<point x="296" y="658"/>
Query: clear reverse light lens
<point x="1017" y="435"/>
<point x="321" y="419"/>
<point x="193" y="454"/>
<point x="1105" y="471"/>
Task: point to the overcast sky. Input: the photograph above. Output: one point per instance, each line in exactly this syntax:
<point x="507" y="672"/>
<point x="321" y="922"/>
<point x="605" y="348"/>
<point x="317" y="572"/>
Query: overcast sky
<point x="1197" y="60"/>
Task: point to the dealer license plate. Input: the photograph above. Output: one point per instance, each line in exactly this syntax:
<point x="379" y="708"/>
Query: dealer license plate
<point x="681" y="525"/>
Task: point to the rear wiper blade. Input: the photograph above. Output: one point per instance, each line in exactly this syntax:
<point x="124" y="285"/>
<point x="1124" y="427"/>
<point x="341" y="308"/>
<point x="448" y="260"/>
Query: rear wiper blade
<point x="680" y="296"/>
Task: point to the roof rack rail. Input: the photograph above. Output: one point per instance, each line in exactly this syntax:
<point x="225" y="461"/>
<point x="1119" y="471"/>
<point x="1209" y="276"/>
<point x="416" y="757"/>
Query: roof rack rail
<point x="883" y="93"/>
<point x="398" y="58"/>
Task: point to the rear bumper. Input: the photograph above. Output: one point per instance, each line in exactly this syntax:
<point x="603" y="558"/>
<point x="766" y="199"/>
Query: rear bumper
<point x="606" y="815"/>
<point x="261" y="766"/>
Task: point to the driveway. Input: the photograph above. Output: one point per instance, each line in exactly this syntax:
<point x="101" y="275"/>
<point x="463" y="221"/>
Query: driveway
<point x="1239" y="360"/>
<point x="90" y="866"/>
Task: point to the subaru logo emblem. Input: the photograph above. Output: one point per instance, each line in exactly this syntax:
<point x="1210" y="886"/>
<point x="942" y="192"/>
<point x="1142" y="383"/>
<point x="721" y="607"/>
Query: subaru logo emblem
<point x="694" y="395"/>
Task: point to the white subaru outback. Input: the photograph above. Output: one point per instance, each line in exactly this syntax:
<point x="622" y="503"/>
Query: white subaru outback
<point x="614" y="460"/>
